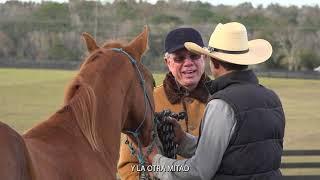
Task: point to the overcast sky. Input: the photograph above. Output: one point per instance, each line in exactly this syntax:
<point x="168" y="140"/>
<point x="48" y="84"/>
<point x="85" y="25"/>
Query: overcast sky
<point x="233" y="2"/>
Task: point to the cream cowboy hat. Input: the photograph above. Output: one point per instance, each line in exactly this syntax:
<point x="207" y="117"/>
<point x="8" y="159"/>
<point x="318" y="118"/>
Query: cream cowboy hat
<point x="229" y="43"/>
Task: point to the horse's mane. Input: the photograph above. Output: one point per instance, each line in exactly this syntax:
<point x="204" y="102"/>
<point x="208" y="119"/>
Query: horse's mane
<point x="81" y="98"/>
<point x="113" y="44"/>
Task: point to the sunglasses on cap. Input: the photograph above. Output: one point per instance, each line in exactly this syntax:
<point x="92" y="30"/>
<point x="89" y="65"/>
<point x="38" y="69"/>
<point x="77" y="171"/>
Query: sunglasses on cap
<point x="179" y="58"/>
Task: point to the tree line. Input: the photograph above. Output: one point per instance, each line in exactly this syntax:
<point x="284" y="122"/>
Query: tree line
<point x="51" y="31"/>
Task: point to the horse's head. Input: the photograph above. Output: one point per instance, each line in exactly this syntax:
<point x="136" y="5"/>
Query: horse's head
<point x="117" y="86"/>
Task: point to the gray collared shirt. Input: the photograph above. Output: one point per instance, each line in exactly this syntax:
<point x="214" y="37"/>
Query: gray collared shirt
<point x="204" y="160"/>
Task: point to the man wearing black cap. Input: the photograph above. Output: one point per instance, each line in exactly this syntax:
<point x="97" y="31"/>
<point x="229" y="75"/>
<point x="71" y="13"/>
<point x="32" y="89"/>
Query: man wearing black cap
<point x="182" y="90"/>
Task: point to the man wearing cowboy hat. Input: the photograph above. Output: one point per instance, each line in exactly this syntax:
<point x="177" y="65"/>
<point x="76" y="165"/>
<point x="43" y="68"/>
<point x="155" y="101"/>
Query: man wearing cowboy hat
<point x="243" y="125"/>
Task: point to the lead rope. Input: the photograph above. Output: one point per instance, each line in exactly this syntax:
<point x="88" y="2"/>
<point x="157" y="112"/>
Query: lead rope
<point x="144" y="175"/>
<point x="162" y="137"/>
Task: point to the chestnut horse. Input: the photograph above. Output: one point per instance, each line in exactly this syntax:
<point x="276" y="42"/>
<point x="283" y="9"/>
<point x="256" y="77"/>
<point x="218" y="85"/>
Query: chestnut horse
<point x="112" y="93"/>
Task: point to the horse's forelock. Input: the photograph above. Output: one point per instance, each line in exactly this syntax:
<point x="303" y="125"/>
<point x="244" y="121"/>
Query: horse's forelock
<point x="113" y="44"/>
<point x="94" y="55"/>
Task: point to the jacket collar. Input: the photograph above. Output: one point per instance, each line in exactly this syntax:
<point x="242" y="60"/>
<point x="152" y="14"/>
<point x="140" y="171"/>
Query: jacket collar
<point x="246" y="76"/>
<point x="176" y="92"/>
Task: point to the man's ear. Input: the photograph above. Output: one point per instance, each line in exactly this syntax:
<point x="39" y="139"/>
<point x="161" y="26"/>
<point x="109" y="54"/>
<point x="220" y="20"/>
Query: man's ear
<point x="165" y="60"/>
<point x="215" y="63"/>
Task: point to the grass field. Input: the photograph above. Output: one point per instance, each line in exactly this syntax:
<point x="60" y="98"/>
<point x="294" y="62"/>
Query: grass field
<point x="29" y="96"/>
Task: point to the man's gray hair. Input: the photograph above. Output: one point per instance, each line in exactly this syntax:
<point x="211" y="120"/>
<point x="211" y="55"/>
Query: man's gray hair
<point x="166" y="55"/>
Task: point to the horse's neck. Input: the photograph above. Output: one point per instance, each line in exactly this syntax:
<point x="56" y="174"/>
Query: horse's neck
<point x="61" y="131"/>
<point x="60" y="124"/>
<point x="109" y="126"/>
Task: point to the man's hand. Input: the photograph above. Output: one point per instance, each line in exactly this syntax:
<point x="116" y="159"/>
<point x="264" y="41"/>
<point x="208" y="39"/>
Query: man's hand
<point x="178" y="131"/>
<point x="154" y="151"/>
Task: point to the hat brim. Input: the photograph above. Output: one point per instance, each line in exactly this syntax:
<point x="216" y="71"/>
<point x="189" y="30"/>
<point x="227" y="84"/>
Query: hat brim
<point x="260" y="50"/>
<point x="176" y="48"/>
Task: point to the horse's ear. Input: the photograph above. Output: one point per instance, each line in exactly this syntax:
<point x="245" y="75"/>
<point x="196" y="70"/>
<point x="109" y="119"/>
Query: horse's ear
<point x="90" y="42"/>
<point x="139" y="45"/>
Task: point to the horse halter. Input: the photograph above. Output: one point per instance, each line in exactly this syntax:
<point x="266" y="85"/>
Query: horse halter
<point x="136" y="132"/>
<point x="147" y="101"/>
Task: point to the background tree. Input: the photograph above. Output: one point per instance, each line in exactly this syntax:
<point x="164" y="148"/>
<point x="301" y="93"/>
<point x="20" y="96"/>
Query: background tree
<point x="52" y="31"/>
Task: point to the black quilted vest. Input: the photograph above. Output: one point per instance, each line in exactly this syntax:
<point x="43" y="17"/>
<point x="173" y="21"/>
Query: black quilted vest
<point x="255" y="148"/>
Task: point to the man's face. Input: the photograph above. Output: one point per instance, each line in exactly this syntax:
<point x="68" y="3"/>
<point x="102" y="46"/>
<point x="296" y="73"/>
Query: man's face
<point x="186" y="67"/>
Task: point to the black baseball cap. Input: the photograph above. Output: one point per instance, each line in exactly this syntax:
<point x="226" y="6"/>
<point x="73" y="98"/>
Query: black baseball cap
<point x="176" y="38"/>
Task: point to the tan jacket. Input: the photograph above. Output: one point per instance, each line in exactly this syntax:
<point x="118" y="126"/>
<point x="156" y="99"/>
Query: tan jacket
<point x="195" y="110"/>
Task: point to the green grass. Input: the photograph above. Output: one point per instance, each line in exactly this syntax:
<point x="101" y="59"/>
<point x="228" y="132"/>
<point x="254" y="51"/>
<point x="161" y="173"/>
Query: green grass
<point x="28" y="96"/>
<point x="301" y="103"/>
